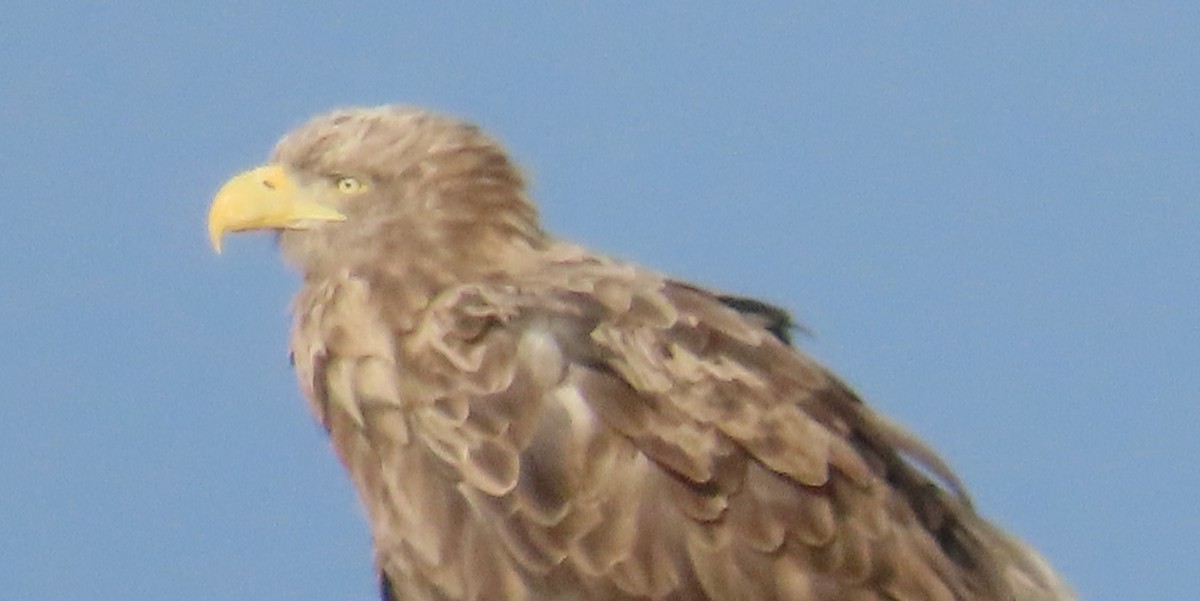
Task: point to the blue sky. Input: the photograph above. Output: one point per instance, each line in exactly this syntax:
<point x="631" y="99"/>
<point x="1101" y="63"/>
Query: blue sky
<point x="987" y="212"/>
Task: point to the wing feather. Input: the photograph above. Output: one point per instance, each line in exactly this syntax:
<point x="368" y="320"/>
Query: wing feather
<point x="592" y="427"/>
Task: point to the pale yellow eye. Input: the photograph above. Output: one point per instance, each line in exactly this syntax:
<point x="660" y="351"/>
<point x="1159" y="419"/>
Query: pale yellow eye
<point x="350" y="185"/>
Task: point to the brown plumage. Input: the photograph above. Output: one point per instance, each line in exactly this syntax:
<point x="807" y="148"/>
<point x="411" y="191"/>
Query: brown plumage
<point x="524" y="419"/>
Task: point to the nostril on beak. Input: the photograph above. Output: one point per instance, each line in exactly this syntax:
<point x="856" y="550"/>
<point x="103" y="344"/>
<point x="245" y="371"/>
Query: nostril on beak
<point x="268" y="184"/>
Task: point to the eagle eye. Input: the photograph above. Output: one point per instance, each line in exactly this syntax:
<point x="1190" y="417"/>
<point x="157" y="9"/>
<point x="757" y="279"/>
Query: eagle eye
<point x="350" y="185"/>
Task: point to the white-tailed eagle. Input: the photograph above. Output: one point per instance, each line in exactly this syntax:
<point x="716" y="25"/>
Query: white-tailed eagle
<point x="524" y="419"/>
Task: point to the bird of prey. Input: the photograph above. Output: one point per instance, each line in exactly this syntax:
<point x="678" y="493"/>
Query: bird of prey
<point x="524" y="419"/>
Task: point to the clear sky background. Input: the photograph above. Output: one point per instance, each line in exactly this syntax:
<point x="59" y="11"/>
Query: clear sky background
<point x="987" y="212"/>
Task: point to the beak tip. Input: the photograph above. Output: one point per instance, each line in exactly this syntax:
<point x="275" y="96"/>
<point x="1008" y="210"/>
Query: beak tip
<point x="214" y="238"/>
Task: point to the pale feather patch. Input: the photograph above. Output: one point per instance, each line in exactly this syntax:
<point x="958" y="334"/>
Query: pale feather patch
<point x="340" y="385"/>
<point x="580" y="414"/>
<point x="539" y="354"/>
<point x="376" y="381"/>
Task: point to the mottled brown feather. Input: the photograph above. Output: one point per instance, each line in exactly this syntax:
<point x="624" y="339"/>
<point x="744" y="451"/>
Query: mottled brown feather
<point x="524" y="419"/>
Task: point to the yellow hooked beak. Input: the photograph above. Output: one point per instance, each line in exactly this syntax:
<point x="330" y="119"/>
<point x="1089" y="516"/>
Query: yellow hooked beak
<point x="263" y="198"/>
